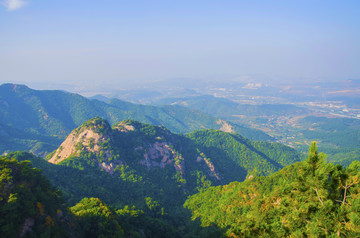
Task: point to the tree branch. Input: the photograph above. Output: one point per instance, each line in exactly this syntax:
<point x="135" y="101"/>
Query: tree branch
<point x="317" y="193"/>
<point x="346" y="187"/>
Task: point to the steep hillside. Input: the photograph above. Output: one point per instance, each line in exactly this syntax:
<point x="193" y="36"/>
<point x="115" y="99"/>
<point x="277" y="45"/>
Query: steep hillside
<point x="41" y="118"/>
<point x="256" y="158"/>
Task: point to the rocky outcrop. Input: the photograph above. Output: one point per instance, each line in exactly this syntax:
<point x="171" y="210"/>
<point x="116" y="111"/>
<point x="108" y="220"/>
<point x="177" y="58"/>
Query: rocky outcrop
<point x="225" y="127"/>
<point x="81" y="139"/>
<point x="161" y="154"/>
<point x="110" y="167"/>
<point x="123" y="126"/>
<point x="209" y="165"/>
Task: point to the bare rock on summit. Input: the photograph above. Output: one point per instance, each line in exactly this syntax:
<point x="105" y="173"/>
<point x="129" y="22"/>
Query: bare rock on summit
<point x="88" y="137"/>
<point x="225" y="127"/>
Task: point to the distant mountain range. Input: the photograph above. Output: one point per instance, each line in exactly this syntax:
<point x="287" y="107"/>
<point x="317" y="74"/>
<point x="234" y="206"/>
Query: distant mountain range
<point x="230" y="110"/>
<point x="251" y="90"/>
<point x="296" y="126"/>
<point x="37" y="120"/>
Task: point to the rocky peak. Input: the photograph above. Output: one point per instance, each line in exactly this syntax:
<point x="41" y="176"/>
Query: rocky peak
<point x="89" y="137"/>
<point x="98" y="125"/>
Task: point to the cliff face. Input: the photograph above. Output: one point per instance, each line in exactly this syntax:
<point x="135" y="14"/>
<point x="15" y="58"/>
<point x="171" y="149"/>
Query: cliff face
<point x="76" y="142"/>
<point x="90" y="137"/>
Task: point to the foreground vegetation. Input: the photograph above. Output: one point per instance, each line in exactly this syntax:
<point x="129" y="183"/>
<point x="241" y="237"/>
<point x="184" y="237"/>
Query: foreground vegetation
<point x="311" y="198"/>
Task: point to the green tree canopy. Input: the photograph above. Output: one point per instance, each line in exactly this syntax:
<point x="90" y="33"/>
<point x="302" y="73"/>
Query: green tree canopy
<point x="311" y="198"/>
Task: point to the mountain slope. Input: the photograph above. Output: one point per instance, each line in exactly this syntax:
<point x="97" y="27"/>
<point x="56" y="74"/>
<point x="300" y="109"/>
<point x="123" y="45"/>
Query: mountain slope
<point x="257" y="158"/>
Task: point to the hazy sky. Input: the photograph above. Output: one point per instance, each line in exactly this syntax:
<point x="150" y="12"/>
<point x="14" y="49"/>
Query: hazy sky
<point x="129" y="41"/>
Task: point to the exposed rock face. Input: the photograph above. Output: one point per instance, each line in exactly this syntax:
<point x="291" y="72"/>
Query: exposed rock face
<point x="110" y="167"/>
<point x="210" y="166"/>
<point x="85" y="139"/>
<point x="160" y="154"/>
<point x="124" y="127"/>
<point x="225" y="127"/>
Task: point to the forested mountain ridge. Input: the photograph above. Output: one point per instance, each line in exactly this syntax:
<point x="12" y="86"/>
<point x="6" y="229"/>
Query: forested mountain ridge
<point x="257" y="157"/>
<point x="133" y="143"/>
<point x="229" y="109"/>
<point x="38" y="120"/>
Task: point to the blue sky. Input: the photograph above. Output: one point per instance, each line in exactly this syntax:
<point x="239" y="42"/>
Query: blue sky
<point x="118" y="41"/>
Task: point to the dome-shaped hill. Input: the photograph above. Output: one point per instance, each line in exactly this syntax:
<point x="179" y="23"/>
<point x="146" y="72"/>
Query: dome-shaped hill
<point x="93" y="136"/>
